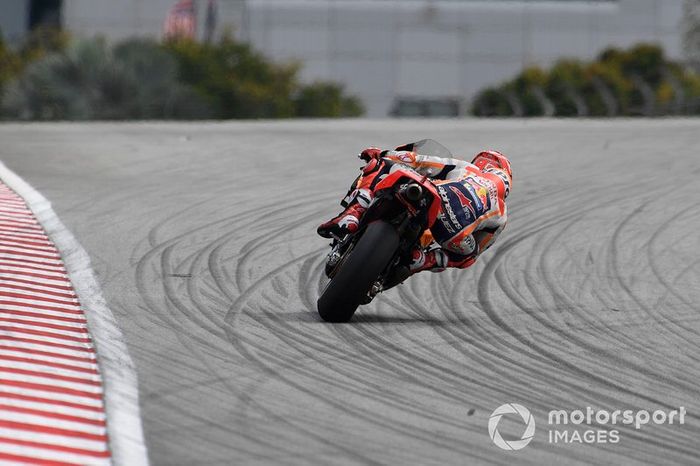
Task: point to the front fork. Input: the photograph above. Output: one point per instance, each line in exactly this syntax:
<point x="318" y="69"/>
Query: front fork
<point x="340" y="248"/>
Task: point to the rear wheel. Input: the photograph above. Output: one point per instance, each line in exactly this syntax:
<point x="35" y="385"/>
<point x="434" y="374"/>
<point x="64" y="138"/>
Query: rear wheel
<point x="349" y="286"/>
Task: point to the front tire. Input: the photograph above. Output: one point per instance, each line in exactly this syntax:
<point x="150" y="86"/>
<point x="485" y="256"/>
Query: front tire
<point x="349" y="286"/>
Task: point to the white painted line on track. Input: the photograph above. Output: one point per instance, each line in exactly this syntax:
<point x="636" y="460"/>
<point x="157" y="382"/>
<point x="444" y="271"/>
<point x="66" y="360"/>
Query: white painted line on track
<point x="119" y="376"/>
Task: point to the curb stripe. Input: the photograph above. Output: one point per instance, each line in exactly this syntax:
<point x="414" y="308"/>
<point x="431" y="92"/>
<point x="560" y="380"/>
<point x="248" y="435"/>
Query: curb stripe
<point x="30" y="331"/>
<point x="20" y="227"/>
<point x="67" y="397"/>
<point x="50" y="388"/>
<point x="20" y="306"/>
<point x="47" y="353"/>
<point x="56" y="365"/>
<point x="77" y="349"/>
<point x="41" y="306"/>
<point x="38" y="275"/>
<point x="49" y="375"/>
<point x="38" y="399"/>
<point x="64" y="417"/>
<point x="13" y="250"/>
<point x="29" y="460"/>
<point x="43" y="316"/>
<point x="34" y="265"/>
<point x="10" y="233"/>
<point x="44" y="324"/>
<point x="38" y="291"/>
<point x="30" y="282"/>
<point x="53" y="408"/>
<point x="27" y="245"/>
<point x="52" y="430"/>
<point x="51" y="356"/>
<point x="49" y="446"/>
<point x="31" y="309"/>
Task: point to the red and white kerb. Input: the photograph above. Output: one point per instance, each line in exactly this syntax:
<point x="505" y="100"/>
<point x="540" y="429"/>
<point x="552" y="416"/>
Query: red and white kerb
<point x="51" y="403"/>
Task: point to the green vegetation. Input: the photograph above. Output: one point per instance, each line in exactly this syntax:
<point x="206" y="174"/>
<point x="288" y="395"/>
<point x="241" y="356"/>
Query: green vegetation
<point x="323" y="99"/>
<point x="90" y="81"/>
<point x="638" y="81"/>
<point x="39" y="43"/>
<point x="51" y="77"/>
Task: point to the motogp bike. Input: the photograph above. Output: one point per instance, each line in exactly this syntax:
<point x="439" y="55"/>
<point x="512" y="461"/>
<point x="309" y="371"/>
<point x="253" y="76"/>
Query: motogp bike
<point x="375" y="258"/>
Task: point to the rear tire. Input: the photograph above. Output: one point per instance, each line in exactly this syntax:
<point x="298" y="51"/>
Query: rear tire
<point x="349" y="286"/>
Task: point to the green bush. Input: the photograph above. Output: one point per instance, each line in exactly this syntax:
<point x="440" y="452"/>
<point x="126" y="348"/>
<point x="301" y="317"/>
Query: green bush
<point x="52" y="77"/>
<point x="91" y="81"/>
<point x="619" y="82"/>
<point x="492" y="102"/>
<point x="240" y="83"/>
<point x="524" y="86"/>
<point x="235" y="80"/>
<point x="322" y="99"/>
<point x="39" y="42"/>
<point x="565" y="80"/>
<point x="10" y="64"/>
<point x="42" y="41"/>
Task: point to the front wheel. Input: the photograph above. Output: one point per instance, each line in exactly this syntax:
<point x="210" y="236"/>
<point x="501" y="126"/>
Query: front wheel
<point x="350" y="285"/>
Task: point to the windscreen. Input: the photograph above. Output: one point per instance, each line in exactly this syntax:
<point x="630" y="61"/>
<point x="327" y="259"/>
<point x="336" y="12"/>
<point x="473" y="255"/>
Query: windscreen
<point x="427" y="147"/>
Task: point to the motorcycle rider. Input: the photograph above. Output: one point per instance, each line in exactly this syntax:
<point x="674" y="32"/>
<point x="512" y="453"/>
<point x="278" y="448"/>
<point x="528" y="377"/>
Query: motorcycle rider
<point x="473" y="211"/>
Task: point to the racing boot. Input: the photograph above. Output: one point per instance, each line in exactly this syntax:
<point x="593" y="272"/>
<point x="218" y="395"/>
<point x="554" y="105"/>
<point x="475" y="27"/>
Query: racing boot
<point x="432" y="258"/>
<point x="345" y="222"/>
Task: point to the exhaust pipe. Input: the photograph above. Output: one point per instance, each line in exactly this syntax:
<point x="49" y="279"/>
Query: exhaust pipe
<point x="413" y="192"/>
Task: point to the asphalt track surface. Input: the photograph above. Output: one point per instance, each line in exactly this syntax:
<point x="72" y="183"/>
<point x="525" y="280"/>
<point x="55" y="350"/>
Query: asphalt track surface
<point x="203" y="237"/>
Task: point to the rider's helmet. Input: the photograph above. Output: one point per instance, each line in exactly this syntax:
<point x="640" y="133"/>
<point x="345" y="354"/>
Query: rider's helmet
<point x="494" y="159"/>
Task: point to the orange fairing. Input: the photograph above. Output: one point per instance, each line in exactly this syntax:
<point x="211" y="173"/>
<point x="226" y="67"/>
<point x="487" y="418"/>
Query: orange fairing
<point x="390" y="180"/>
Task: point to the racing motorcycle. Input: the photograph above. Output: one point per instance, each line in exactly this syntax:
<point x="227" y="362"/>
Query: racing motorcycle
<point x="375" y="258"/>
